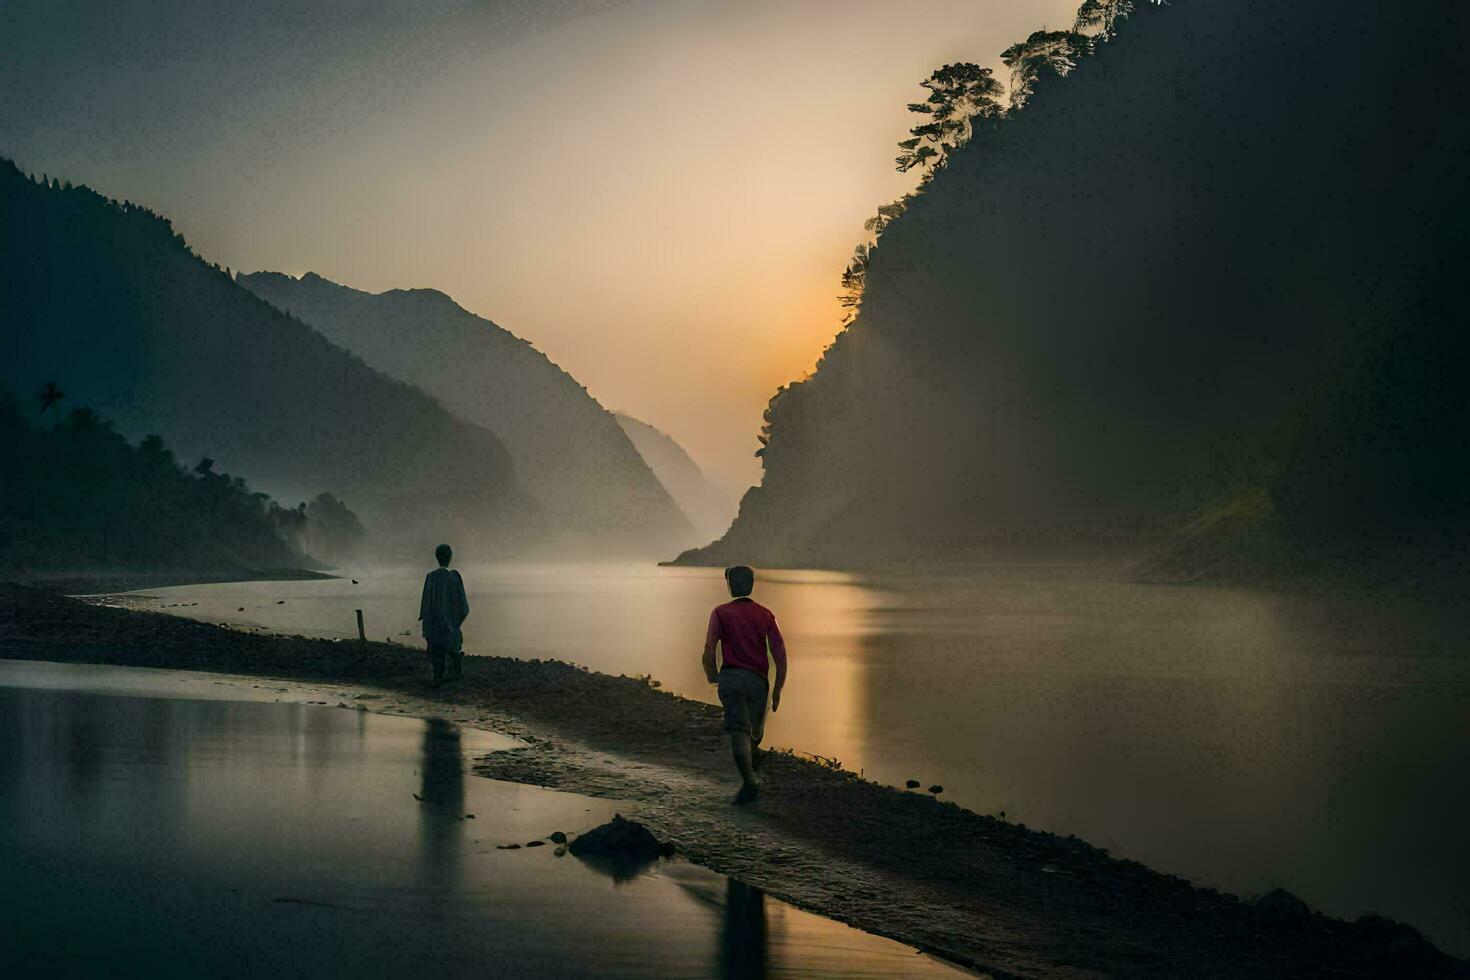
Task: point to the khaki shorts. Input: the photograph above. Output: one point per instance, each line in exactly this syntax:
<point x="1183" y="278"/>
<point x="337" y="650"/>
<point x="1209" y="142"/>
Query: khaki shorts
<point x="743" y="693"/>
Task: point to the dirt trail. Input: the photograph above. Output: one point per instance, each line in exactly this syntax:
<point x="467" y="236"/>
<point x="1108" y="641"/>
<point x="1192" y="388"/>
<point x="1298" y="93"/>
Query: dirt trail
<point x="1004" y="899"/>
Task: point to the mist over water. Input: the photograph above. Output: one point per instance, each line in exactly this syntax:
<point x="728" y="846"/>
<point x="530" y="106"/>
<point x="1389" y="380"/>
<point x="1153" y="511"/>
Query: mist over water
<point x="1177" y="288"/>
<point x="1239" y="738"/>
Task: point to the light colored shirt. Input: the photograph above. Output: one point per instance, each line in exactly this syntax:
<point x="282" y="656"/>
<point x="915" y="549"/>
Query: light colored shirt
<point x="443" y="608"/>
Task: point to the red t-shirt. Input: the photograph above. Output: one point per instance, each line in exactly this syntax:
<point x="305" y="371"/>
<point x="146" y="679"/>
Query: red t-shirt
<point x="743" y="628"/>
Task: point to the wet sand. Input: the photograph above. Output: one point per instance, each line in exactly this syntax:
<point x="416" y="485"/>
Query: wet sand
<point x="977" y="890"/>
<point x="269" y="836"/>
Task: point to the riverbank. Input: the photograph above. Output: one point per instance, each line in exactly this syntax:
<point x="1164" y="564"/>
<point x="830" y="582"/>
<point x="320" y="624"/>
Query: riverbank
<point x="981" y="891"/>
<point x="99" y="583"/>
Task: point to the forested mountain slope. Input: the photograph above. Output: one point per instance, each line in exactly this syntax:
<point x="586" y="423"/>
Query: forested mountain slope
<point x="569" y="451"/>
<point x="106" y="300"/>
<point x="708" y="507"/>
<point x="1213" y="270"/>
<point x="78" y="498"/>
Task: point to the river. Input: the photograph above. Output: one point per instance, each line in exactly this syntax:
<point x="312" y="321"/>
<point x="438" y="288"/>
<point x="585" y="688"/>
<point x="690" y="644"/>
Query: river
<point x="157" y="826"/>
<point x="1241" y="738"/>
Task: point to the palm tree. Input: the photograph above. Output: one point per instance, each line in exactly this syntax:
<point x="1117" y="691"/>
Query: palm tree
<point x="49" y="397"/>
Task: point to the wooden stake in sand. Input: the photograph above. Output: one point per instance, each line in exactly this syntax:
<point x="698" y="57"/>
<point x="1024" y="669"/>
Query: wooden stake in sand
<point x="361" y="634"/>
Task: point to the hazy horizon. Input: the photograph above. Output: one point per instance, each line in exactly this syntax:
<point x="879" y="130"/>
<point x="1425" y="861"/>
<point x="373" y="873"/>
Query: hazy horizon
<point x="665" y="215"/>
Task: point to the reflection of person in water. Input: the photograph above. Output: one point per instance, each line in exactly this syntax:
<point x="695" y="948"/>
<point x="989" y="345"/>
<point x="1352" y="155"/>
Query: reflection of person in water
<point x="743" y="942"/>
<point x="441" y="806"/>
<point x="442" y="609"/>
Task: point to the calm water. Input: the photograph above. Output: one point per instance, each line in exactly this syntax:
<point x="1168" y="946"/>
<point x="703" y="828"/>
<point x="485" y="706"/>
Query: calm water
<point x="172" y="836"/>
<point x="1239" y="738"/>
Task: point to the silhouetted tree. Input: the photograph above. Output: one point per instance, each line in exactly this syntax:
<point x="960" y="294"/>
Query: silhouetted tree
<point x="1044" y="52"/>
<point x="957" y="94"/>
<point x="886" y="215"/>
<point x="49" y="397"/>
<point x="1100" y="16"/>
<point x="854" y="277"/>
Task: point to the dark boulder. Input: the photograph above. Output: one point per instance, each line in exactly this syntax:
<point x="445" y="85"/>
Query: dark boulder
<point x="620" y="848"/>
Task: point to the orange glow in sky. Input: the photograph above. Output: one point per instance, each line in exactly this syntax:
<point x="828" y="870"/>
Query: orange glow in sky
<point x="660" y="195"/>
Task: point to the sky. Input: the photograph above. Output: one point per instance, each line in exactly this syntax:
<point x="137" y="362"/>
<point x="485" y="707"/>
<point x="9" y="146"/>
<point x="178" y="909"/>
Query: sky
<point x="660" y="196"/>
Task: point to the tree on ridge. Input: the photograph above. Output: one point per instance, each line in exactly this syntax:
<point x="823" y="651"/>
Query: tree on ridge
<point x="1055" y="52"/>
<point x="50" y="397"/>
<point x="957" y="94"/>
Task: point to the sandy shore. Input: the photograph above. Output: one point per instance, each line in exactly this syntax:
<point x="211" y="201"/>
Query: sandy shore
<point x="1004" y="899"/>
<point x="98" y="583"/>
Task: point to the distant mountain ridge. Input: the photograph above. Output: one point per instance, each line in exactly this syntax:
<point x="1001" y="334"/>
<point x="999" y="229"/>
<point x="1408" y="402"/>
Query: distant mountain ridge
<point x="569" y="452"/>
<point x="708" y="507"/>
<point x="1201" y="296"/>
<point x="105" y="299"/>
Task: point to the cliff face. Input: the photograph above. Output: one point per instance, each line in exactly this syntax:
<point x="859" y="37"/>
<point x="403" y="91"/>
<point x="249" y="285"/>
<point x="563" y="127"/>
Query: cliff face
<point x="1217" y="259"/>
<point x="568" y="450"/>
<point x="104" y="299"/>
<point x="708" y="507"/>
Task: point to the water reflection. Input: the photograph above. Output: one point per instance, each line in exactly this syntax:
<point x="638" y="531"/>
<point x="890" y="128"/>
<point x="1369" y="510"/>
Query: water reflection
<point x="1242" y="738"/>
<point x="172" y="837"/>
<point x="743" y="940"/>
<point x="441" y="805"/>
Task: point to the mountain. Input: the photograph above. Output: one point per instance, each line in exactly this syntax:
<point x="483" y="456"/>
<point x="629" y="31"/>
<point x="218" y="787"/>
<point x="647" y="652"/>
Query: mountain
<point x="78" y="498"/>
<point x="1200" y="295"/>
<point x="709" y="509"/>
<point x="105" y="299"/>
<point x="569" y="451"/>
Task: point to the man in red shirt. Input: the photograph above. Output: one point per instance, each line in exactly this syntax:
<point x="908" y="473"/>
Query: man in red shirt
<point x="745" y="631"/>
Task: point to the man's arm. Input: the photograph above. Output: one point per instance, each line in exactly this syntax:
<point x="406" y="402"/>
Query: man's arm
<point x="777" y="647"/>
<point x="711" y="637"/>
<point x="464" y="600"/>
<point x="424" y="598"/>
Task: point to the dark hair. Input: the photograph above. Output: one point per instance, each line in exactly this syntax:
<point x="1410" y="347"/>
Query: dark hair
<point x="443" y="553"/>
<point x="741" y="579"/>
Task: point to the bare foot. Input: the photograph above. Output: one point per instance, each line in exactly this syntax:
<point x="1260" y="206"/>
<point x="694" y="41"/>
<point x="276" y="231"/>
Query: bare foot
<point x="748" y="793"/>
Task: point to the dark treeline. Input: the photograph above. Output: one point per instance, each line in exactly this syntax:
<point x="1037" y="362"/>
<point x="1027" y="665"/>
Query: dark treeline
<point x="1198" y="294"/>
<point x="106" y="298"/>
<point x="79" y="497"/>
